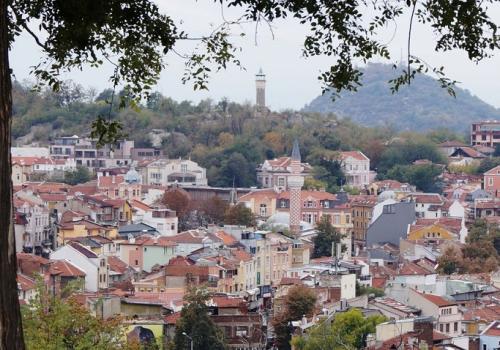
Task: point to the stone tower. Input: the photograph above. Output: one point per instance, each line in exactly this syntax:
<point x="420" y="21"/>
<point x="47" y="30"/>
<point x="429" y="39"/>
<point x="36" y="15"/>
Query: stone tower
<point x="260" y="87"/>
<point x="295" y="183"/>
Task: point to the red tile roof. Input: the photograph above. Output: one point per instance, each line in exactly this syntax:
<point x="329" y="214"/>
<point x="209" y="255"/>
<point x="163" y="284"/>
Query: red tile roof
<point x="487" y="313"/>
<point x="117" y="265"/>
<point x="226" y="302"/>
<point x="493" y="329"/>
<point x="494" y="171"/>
<point x="159" y="241"/>
<point x="241" y="255"/>
<point x="452" y="144"/>
<point x="53" y="197"/>
<point x="80" y="248"/>
<point x="226" y="238"/>
<point x="64" y="268"/>
<point x="172" y="318"/>
<point x="180" y="261"/>
<point x="140" y="205"/>
<point x="427" y="198"/>
<point x="25" y="282"/>
<point x="436" y="336"/>
<point x="410" y="268"/>
<point x="437" y="300"/>
<point x="353" y="154"/>
<point x="110" y="181"/>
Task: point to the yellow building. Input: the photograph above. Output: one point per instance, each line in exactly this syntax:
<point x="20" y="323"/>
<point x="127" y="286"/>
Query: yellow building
<point x="274" y="257"/>
<point x="431" y="233"/>
<point x="82" y="228"/>
<point x="262" y="203"/>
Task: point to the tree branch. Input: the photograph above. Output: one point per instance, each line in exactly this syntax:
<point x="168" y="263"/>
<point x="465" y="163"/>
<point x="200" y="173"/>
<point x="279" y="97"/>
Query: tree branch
<point x="23" y="24"/>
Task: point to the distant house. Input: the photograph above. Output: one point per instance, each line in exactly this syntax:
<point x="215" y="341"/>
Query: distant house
<point x="448" y="316"/>
<point x="95" y="267"/>
<point x="164" y="220"/>
<point x="490" y="337"/>
<point x="146" y="251"/>
<point x="449" y="147"/>
<point x="356" y="167"/>
<point x="392" y="224"/>
<point x="427" y="205"/>
<point x="136" y="230"/>
<point x="465" y="156"/>
<point x="274" y="173"/>
<point x="165" y="172"/>
<point x="492" y="181"/>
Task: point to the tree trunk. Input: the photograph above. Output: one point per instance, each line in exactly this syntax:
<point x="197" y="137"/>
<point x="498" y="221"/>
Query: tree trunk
<point x="11" y="335"/>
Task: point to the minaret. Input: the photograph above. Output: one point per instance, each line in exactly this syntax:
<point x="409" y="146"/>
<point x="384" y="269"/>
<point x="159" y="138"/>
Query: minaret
<point x="295" y="183"/>
<point x="260" y="87"/>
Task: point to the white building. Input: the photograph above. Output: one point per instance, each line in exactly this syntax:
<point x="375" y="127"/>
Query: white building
<point x="164" y="220"/>
<point x="95" y="267"/>
<point x="37" y="228"/>
<point x="164" y="172"/>
<point x="274" y="173"/>
<point x="356" y="167"/>
<point x="29" y="152"/>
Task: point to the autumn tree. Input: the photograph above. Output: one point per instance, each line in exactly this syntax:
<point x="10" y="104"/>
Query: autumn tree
<point x="326" y="235"/>
<point x="196" y="323"/>
<point x="214" y="209"/>
<point x="239" y="214"/>
<point x="52" y="323"/>
<point x="450" y="261"/>
<point x="177" y="199"/>
<point x="300" y="301"/>
<point x="479" y="252"/>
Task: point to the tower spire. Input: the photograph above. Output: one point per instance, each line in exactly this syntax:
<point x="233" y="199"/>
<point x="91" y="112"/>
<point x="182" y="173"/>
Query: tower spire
<point x="260" y="89"/>
<point x="295" y="183"/>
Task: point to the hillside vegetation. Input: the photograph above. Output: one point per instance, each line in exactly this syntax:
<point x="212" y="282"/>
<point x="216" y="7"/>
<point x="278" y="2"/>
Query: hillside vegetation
<point x="227" y="138"/>
<point x="423" y="105"/>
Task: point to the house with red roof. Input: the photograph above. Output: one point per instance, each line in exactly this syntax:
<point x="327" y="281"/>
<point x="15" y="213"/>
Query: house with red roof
<point x="60" y="273"/>
<point x="163" y="219"/>
<point x="356" y="167"/>
<point x="37" y="228"/>
<point x="274" y="173"/>
<point x="120" y="186"/>
<point x="490" y="337"/>
<point x="448" y="318"/>
<point x="26" y="287"/>
<point x="491" y="181"/>
<point x="94" y="266"/>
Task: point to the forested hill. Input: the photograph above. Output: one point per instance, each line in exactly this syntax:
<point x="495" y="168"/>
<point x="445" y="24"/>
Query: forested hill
<point x="423" y="105"/>
<point x="227" y="138"/>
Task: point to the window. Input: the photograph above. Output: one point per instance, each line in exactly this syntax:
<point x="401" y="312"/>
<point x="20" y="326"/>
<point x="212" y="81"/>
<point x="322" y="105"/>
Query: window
<point x="136" y="262"/>
<point x="490" y="181"/>
<point x="441" y="328"/>
<point x="455" y="327"/>
<point x="281" y="181"/>
<point x="184" y="168"/>
<point x="447" y="328"/>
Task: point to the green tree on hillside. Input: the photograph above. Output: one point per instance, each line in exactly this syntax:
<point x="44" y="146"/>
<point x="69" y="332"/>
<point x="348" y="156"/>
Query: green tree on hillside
<point x="327" y="234"/>
<point x="196" y="323"/>
<point x="348" y="331"/>
<point x="78" y="176"/>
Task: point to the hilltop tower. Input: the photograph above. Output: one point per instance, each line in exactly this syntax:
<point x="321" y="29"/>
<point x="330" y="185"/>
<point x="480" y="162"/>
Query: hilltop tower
<point x="260" y="89"/>
<point x="295" y="183"/>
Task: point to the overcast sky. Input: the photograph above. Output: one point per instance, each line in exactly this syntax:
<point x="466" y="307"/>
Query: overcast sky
<point x="291" y="79"/>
